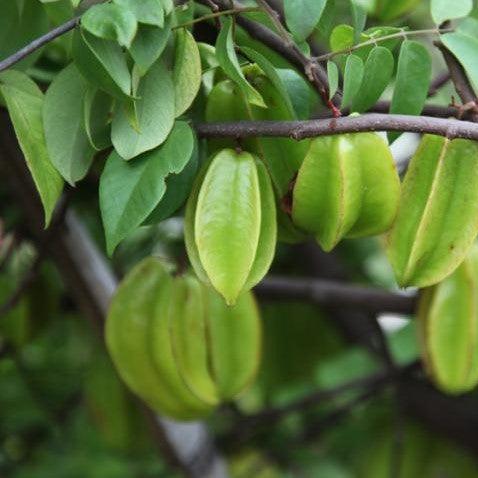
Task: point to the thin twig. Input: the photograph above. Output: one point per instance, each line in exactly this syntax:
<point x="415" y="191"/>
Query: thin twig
<point x="298" y="130"/>
<point x="38" y="43"/>
<point x="460" y="81"/>
<point x="375" y="41"/>
<point x="438" y="82"/>
<point x="234" y="11"/>
<point x="276" y="20"/>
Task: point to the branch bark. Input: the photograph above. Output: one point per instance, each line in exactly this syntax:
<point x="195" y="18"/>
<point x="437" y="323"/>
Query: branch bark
<point x="460" y="80"/>
<point x="298" y="130"/>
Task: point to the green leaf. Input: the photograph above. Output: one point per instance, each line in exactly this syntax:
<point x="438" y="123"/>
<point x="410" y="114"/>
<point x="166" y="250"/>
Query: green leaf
<point x="443" y="10"/>
<point x="25" y="103"/>
<point x="187" y="71"/>
<point x="228" y="221"/>
<point x="378" y="72"/>
<point x="154" y="112"/>
<point x="359" y="15"/>
<point x="66" y="139"/>
<point x="333" y="78"/>
<point x="299" y="92"/>
<point x="148" y="45"/>
<point x="270" y="71"/>
<point x="111" y="22"/>
<point x="342" y="37"/>
<point x="97" y="109"/>
<point x="438" y="217"/>
<point x="353" y="76"/>
<point x="149" y="12"/>
<point x="178" y="188"/>
<point x="302" y="16"/>
<point x="129" y="191"/>
<point x="17" y="30"/>
<point x="463" y="43"/>
<point x="413" y="80"/>
<point x="227" y="58"/>
<point x="102" y="63"/>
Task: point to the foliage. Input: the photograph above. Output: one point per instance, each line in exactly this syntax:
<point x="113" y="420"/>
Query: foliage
<point x="183" y="135"/>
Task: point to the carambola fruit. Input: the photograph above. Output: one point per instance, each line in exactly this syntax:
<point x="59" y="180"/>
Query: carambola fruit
<point x="437" y="220"/>
<point x="177" y="345"/>
<point x="347" y="186"/>
<point x="448" y="326"/>
<point x="230" y="223"/>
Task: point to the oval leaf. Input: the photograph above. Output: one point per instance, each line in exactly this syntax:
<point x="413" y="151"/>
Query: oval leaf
<point x="66" y="138"/>
<point x="102" y="63"/>
<point x="227" y="58"/>
<point x="148" y="45"/>
<point x="378" y="72"/>
<point x="353" y="76"/>
<point x="111" y="22"/>
<point x="154" y="114"/>
<point x="187" y="71"/>
<point x="302" y="16"/>
<point x="129" y="191"/>
<point x="413" y="80"/>
<point x="25" y="104"/>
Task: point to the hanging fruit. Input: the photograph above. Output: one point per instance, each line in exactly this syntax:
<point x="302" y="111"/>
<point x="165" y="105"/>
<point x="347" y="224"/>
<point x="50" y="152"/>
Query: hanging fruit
<point x="437" y="221"/>
<point x="448" y="327"/>
<point x="347" y="186"/>
<point x="177" y="345"/>
<point x="230" y="223"/>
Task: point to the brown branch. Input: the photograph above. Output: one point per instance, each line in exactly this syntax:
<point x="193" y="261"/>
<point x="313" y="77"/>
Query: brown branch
<point x="439" y="82"/>
<point x="460" y="80"/>
<point x="298" y="130"/>
<point x="335" y="294"/>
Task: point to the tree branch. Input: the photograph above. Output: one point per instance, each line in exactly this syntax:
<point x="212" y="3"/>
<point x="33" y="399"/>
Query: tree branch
<point x="335" y="294"/>
<point x="460" y="80"/>
<point x="38" y="43"/>
<point x="298" y="130"/>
